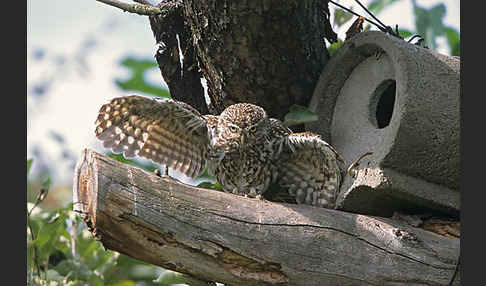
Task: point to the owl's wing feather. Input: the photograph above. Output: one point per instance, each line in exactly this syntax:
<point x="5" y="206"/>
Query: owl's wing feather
<point x="166" y="131"/>
<point x="309" y="169"/>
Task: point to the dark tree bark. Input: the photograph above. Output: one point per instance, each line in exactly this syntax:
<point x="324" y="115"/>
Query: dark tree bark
<point x="269" y="53"/>
<point x="180" y="71"/>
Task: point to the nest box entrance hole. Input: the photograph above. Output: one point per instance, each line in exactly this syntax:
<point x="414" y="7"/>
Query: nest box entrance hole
<point x="382" y="103"/>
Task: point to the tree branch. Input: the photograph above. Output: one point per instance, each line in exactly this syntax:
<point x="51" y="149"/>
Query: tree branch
<point x="216" y="236"/>
<point x="141" y="9"/>
<point x="145" y="2"/>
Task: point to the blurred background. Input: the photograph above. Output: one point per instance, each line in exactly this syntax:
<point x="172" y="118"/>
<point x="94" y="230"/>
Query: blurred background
<point x="81" y="54"/>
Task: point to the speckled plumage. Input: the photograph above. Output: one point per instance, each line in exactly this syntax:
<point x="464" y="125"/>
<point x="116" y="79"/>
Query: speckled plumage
<point x="248" y="152"/>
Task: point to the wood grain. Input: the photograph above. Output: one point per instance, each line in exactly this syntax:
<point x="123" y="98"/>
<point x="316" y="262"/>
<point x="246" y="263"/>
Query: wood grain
<point x="221" y="237"/>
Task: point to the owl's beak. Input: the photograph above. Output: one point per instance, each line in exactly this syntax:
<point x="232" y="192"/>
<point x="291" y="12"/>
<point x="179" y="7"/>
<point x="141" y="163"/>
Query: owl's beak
<point x="243" y="137"/>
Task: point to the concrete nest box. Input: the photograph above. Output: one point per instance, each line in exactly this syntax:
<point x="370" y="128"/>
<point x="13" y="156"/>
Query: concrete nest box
<point x="400" y="101"/>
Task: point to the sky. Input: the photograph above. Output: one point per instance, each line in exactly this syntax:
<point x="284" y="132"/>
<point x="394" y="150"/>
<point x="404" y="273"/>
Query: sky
<point x="74" y="49"/>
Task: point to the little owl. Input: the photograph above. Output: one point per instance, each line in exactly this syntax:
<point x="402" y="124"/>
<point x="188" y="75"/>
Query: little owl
<point x="249" y="153"/>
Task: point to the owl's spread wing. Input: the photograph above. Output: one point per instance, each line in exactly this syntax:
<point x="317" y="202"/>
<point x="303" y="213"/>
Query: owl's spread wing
<point x="309" y="169"/>
<point x="166" y="131"/>
<point x="212" y="123"/>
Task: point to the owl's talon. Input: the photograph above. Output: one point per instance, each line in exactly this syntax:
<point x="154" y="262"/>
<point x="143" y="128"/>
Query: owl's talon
<point x="158" y="172"/>
<point x="260" y="197"/>
<point x="166" y="171"/>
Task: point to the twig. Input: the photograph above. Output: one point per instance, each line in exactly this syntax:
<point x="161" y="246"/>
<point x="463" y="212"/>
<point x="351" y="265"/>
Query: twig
<point x="381" y="26"/>
<point x="356" y="14"/>
<point x="36" y="262"/>
<point x="355" y="28"/>
<point x="373" y="16"/>
<point x="349" y="171"/>
<point x="145" y="2"/>
<point x="40" y="197"/>
<point x="141" y="9"/>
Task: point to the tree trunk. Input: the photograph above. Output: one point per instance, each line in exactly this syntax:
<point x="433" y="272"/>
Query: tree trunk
<point x="269" y="53"/>
<point x="216" y="236"/>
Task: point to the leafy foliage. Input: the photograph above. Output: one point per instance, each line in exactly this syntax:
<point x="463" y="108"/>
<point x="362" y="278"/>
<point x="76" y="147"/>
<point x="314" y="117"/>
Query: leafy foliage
<point x="62" y="251"/>
<point x="428" y="24"/>
<point x="454" y="40"/>
<point x="334" y="47"/>
<point x="299" y="114"/>
<point x="341" y="17"/>
<point x="68" y="254"/>
<point x="29" y="164"/>
<point x="405" y="33"/>
<point x="137" y="82"/>
<point x="145" y="164"/>
<point x="377" y="6"/>
<point x="210" y="185"/>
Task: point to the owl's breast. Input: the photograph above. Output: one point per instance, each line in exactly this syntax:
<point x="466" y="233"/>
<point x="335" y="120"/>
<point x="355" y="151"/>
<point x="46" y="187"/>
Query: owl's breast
<point x="245" y="171"/>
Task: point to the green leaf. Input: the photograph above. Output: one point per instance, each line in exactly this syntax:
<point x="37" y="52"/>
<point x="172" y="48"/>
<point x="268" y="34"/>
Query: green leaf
<point x="210" y="185"/>
<point x="143" y="272"/>
<point x="137" y="82"/>
<point x="454" y="40"/>
<point x="47" y="183"/>
<point x="334" y="47"/>
<point x="29" y="163"/>
<point x="428" y="23"/>
<point x="92" y="253"/>
<point x="405" y="33"/>
<point x="125" y="283"/>
<point x="53" y="275"/>
<point x="341" y="17"/>
<point x="170" y="277"/>
<point x="205" y="174"/>
<point x="120" y="158"/>
<point x="37" y="218"/>
<point x="298" y="115"/>
<point x="95" y="280"/>
<point x="377" y="6"/>
<point x="74" y="269"/>
<point x="56" y="257"/>
<point x="61" y="230"/>
<point x="30" y="253"/>
<point x="48" y="236"/>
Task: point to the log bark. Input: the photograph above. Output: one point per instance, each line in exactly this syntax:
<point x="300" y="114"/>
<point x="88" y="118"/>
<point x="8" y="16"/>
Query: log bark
<point x="221" y="237"/>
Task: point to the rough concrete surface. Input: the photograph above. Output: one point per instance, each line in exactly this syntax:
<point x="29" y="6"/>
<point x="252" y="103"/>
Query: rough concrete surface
<point x="400" y="101"/>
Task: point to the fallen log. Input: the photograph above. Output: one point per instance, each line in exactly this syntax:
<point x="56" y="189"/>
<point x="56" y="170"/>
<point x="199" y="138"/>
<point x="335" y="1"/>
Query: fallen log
<point x="220" y="237"/>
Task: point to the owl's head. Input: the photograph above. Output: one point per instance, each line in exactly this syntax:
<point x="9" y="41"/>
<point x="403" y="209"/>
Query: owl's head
<point x="243" y="124"/>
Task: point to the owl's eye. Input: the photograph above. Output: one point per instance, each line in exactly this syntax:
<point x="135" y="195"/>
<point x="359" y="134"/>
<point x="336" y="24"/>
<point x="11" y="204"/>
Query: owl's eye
<point x="233" y="129"/>
<point x="253" y="129"/>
